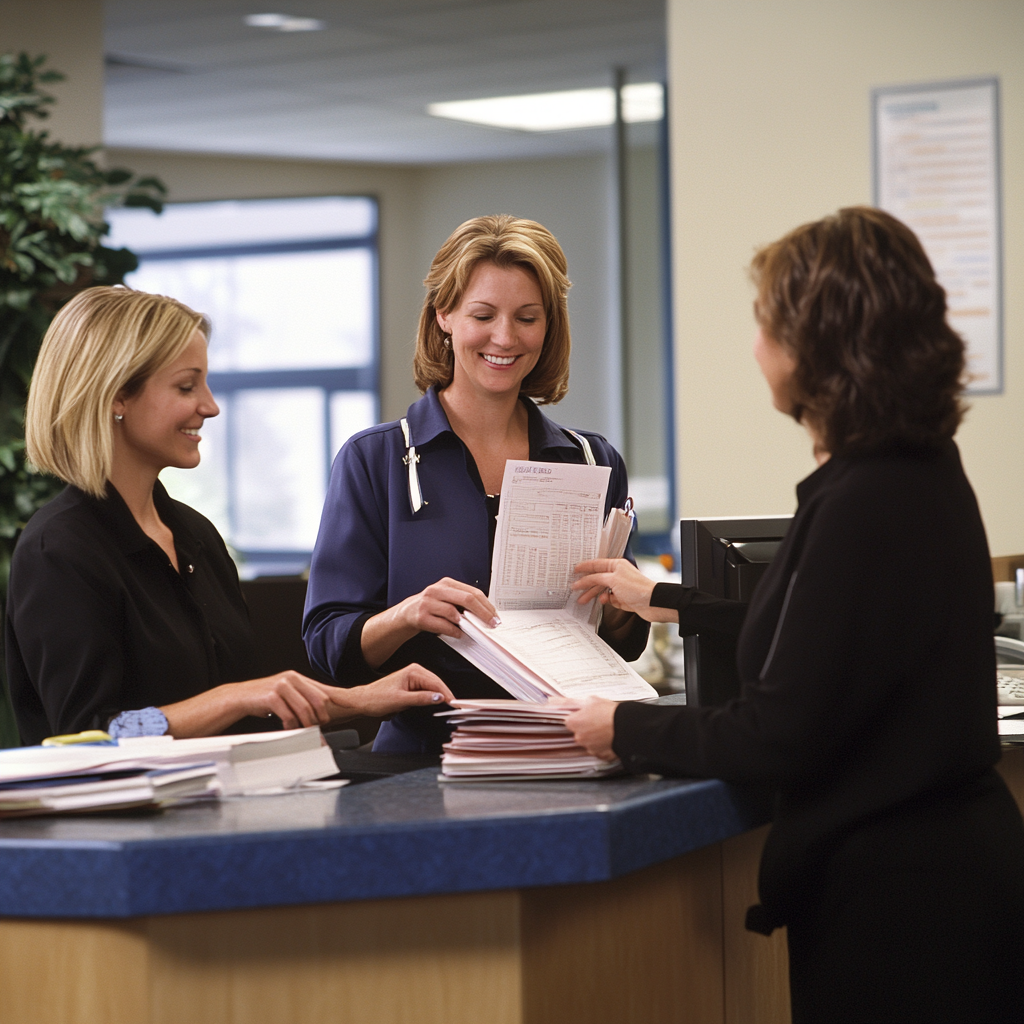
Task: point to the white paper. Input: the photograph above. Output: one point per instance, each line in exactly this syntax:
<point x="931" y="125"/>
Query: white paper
<point x="571" y="660"/>
<point x="550" y="520"/>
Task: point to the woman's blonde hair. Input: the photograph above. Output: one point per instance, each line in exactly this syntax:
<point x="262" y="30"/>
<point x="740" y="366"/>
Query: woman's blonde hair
<point x="105" y="342"/>
<point x="505" y="241"/>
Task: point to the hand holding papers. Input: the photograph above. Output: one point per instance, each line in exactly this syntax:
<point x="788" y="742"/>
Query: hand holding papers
<point x="546" y="644"/>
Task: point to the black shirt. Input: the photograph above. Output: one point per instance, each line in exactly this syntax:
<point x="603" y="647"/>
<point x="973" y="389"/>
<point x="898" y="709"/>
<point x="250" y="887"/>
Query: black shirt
<point x="99" y="622"/>
<point x="866" y="659"/>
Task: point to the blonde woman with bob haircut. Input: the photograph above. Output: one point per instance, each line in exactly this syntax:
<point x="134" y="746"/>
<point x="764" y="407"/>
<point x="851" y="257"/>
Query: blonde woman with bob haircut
<point x="394" y="563"/>
<point x="124" y="610"/>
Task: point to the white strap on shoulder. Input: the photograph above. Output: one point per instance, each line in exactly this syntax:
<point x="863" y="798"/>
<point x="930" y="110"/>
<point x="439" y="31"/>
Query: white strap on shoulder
<point x="416" y="501"/>
<point x="588" y="453"/>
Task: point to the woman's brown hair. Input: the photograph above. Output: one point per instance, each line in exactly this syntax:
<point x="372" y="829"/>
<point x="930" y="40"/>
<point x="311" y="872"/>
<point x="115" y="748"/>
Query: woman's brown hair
<point x="854" y="299"/>
<point x="505" y="241"/>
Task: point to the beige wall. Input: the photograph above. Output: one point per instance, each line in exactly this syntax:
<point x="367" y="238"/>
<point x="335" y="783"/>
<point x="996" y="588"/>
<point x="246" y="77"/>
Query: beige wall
<point x="70" y="33"/>
<point x="770" y="107"/>
<point x="419" y="207"/>
<point x="572" y="197"/>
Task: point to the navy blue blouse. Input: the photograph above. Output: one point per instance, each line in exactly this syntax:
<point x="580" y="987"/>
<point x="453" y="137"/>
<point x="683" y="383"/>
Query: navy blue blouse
<point x="372" y="552"/>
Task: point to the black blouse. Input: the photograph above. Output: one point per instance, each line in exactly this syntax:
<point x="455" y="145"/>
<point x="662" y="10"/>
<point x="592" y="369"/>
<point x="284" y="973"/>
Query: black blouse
<point x="866" y="659"/>
<point x="98" y="621"/>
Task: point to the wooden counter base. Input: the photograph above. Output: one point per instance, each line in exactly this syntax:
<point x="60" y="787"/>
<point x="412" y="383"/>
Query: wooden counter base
<point x="658" y="946"/>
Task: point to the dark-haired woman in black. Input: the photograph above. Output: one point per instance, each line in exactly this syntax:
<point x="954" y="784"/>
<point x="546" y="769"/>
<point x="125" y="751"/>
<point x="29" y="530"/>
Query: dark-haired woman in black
<point x="896" y="859"/>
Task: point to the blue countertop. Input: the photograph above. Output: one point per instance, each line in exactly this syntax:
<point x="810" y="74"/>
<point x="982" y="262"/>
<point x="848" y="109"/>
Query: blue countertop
<point x="403" y="836"/>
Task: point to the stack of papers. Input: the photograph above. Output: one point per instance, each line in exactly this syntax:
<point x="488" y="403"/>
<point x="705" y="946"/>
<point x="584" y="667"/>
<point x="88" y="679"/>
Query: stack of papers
<point x="1011" y="730"/>
<point x="153" y="771"/>
<point x="547" y="645"/>
<point x="103" y="791"/>
<point x="503" y="740"/>
<point x="540" y="654"/>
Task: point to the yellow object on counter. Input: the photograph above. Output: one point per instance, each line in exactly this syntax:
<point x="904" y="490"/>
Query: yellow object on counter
<point x="89" y="736"/>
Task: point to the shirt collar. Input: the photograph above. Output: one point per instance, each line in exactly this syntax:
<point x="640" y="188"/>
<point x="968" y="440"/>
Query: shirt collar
<point x="117" y="517"/>
<point x="427" y="420"/>
<point x="544" y="433"/>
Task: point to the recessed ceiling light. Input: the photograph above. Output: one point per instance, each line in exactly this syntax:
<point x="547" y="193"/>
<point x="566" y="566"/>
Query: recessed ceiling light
<point x="558" y="111"/>
<point x="285" y="23"/>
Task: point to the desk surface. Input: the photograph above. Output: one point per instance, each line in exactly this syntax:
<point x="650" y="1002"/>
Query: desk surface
<point x="405" y="836"/>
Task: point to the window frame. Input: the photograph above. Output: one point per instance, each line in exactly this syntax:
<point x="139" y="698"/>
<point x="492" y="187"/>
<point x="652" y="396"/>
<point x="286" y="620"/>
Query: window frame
<point x="227" y="383"/>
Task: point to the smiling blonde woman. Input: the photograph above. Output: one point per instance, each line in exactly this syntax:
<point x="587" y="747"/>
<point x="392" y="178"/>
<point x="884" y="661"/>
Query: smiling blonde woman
<point x="124" y="609"/>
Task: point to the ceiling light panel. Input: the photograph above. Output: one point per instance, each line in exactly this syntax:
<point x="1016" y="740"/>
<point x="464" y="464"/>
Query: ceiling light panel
<point x="558" y="111"/>
<point x="284" y="23"/>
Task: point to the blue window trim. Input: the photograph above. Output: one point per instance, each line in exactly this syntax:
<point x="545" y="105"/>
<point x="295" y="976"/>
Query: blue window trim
<point x="358" y="378"/>
<point x="263" y="248"/>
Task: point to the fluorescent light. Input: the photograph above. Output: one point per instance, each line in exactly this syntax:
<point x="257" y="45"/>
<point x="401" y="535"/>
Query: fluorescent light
<point x="558" y="111"/>
<point x="284" y="23"/>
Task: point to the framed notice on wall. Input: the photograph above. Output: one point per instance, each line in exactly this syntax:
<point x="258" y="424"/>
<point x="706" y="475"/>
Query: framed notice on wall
<point x="936" y="168"/>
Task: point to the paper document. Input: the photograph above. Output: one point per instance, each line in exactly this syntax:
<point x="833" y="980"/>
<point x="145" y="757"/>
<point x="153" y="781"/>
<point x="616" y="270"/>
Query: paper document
<point x="503" y="740"/>
<point x="538" y="653"/>
<point x="551" y="518"/>
<point x="1011" y="730"/>
<point x="156" y="769"/>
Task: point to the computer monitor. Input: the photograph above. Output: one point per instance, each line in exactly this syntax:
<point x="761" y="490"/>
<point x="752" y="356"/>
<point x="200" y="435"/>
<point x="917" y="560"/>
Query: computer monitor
<point x="725" y="558"/>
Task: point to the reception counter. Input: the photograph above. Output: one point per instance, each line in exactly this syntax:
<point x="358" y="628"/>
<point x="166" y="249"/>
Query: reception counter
<point x="404" y="899"/>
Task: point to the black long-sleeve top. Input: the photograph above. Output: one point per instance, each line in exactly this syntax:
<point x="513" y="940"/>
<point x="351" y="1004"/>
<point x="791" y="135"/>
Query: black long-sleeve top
<point x="99" y="622"/>
<point x="866" y="661"/>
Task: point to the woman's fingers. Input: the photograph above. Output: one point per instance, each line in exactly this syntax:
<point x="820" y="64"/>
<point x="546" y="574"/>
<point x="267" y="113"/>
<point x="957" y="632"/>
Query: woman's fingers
<point x="438" y="607"/>
<point x="627" y="588"/>
<point x="596" y="565"/>
<point x="594" y="727"/>
<point x="296" y="699"/>
<point x="461" y="595"/>
<point x="416" y="677"/>
<point x="592" y="586"/>
<point x="409" y="687"/>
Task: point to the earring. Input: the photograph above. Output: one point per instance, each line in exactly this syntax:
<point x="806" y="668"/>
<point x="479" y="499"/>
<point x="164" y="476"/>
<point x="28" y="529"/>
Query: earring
<point x="118" y="417"/>
<point x="447" y="340"/>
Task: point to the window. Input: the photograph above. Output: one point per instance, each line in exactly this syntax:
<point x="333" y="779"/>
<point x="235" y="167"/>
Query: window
<point x="290" y="286"/>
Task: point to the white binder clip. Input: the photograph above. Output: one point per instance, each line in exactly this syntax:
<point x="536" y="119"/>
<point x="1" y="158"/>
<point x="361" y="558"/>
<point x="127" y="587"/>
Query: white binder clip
<point x="416" y="501"/>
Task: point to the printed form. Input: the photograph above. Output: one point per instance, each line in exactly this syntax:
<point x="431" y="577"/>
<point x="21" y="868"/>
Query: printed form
<point x="550" y="520"/>
<point x="569" y="659"/>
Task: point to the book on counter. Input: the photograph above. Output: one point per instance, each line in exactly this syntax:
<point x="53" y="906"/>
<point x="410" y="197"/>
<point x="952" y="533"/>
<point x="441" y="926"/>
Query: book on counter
<point x="551" y="519"/>
<point x="507" y="740"/>
<point x="156" y="771"/>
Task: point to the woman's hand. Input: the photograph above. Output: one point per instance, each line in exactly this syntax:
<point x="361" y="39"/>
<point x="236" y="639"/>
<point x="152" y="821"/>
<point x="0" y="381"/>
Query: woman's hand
<point x="434" y="610"/>
<point x="296" y="699"/>
<point x="619" y="583"/>
<point x="594" y="727"/>
<point x="412" y="686"/>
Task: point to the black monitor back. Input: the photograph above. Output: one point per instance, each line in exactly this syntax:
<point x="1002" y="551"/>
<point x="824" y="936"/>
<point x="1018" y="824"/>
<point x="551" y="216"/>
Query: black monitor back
<point x="726" y="558"/>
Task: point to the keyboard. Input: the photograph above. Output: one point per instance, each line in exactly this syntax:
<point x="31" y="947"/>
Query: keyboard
<point x="1010" y="690"/>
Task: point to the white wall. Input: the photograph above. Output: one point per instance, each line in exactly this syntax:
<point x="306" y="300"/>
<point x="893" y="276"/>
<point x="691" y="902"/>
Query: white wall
<point x="770" y="108"/>
<point x="70" y="33"/>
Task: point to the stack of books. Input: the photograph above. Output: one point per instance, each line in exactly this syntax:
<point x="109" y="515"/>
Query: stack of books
<point x="506" y="740"/>
<point x="153" y="772"/>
